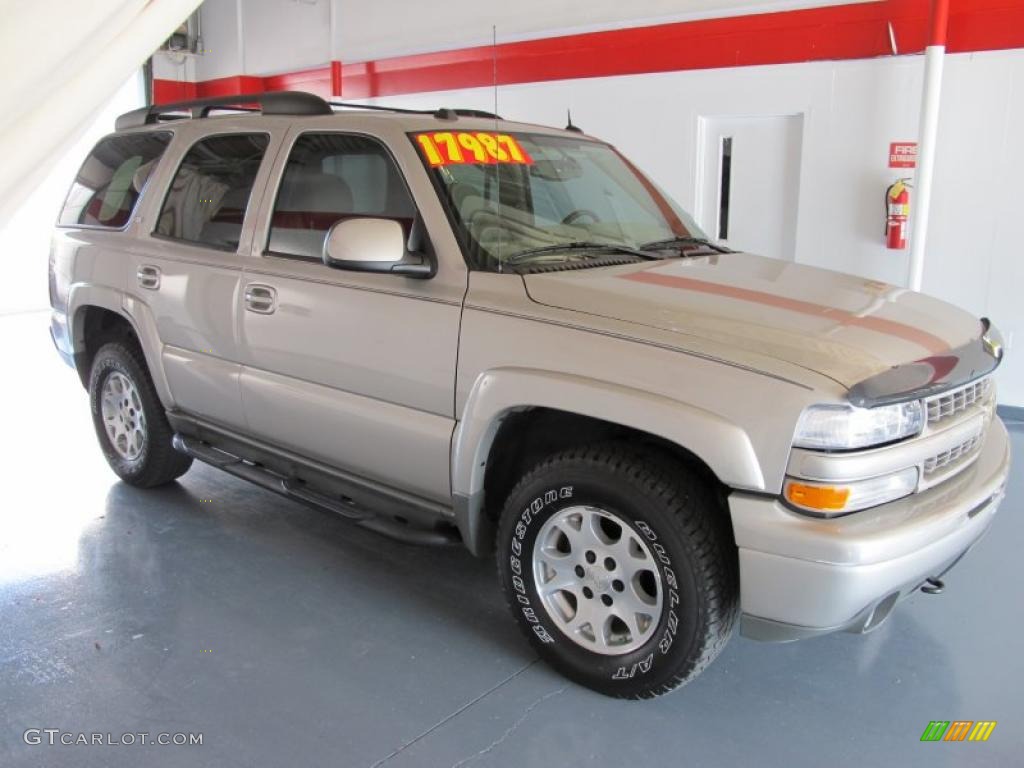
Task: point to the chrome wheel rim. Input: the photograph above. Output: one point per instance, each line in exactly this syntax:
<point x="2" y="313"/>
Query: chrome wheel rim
<point x="597" y="580"/>
<point x="123" y="417"/>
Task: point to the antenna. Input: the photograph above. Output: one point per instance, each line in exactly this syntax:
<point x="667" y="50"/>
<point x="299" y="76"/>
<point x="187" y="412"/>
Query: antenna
<point x="494" y="66"/>
<point x="497" y="166"/>
<point x="569" y="126"/>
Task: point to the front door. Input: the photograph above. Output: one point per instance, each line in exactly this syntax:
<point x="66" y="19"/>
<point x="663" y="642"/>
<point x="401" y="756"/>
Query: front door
<point x="353" y="370"/>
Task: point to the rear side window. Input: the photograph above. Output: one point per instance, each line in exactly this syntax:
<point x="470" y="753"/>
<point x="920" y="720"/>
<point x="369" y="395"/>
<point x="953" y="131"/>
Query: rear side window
<point x="108" y="185"/>
<point x="208" y="198"/>
<point x="330" y="177"/>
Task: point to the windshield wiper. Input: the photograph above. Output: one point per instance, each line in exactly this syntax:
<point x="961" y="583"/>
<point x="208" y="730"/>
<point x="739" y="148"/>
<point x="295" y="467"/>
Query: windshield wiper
<point x="579" y="245"/>
<point x="669" y="242"/>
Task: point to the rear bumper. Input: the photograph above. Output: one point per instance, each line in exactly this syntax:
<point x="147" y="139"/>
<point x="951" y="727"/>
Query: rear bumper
<point x="801" y="577"/>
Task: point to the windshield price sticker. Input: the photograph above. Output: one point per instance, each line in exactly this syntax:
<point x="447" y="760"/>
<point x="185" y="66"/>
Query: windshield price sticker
<point x="462" y="147"/>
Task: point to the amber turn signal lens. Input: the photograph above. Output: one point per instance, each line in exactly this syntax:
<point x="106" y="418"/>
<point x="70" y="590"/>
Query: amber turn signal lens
<point x="825" y="498"/>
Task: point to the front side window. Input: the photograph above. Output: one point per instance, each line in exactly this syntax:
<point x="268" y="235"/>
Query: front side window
<point x="516" y="198"/>
<point x="208" y="198"/>
<point x="110" y="181"/>
<point x="331" y="177"/>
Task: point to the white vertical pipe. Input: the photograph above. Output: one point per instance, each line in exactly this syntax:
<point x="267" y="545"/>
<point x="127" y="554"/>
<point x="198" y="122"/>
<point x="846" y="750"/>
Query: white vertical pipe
<point x="929" y="129"/>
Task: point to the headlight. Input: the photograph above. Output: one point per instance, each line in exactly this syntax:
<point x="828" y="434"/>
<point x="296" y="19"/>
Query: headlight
<point x="845" y="427"/>
<point x="833" y="499"/>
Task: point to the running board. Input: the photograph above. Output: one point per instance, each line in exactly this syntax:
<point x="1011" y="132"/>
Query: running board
<point x="300" y="491"/>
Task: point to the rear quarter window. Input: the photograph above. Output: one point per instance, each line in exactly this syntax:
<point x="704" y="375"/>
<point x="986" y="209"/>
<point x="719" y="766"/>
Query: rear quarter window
<point x="110" y="181"/>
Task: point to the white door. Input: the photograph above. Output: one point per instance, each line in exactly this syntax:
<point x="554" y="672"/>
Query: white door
<point x="750" y="182"/>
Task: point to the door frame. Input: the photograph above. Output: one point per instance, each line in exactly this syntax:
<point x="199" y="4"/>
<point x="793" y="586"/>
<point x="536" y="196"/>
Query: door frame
<point x="701" y="156"/>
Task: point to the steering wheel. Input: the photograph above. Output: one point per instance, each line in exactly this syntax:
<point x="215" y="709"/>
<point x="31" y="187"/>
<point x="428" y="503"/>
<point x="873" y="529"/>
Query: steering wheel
<point x="580" y="213"/>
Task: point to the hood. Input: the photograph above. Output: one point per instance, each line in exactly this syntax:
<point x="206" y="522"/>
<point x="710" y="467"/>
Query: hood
<point x="844" y="327"/>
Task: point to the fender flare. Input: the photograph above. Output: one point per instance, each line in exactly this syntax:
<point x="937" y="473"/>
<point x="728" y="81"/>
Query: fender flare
<point x="721" y="444"/>
<point x="136" y="313"/>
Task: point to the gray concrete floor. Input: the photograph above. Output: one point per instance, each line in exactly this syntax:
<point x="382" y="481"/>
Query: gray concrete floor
<point x="287" y="637"/>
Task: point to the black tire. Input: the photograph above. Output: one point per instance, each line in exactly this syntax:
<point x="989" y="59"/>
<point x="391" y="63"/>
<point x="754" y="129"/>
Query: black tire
<point x="678" y="515"/>
<point x="157" y="463"/>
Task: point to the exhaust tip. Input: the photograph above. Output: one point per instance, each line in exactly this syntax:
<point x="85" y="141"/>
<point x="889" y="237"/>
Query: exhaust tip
<point x="933" y="586"/>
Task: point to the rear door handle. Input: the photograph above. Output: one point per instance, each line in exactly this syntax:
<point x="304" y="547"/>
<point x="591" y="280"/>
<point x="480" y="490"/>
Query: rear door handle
<point x="260" y="298"/>
<point x="149" y="277"/>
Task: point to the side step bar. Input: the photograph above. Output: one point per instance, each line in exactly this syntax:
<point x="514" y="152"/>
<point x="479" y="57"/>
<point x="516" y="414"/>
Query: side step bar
<point x="298" y="490"/>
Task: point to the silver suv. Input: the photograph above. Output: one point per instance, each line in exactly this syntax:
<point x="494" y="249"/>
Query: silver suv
<point x="447" y="327"/>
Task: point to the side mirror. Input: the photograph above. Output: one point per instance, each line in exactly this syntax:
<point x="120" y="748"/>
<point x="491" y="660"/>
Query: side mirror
<point x="373" y="245"/>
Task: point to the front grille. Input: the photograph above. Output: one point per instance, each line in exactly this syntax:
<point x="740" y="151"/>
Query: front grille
<point x="952" y="455"/>
<point x="949" y="404"/>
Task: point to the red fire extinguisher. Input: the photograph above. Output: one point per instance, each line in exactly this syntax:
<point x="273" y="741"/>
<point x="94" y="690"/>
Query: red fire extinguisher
<point x="897" y="208"/>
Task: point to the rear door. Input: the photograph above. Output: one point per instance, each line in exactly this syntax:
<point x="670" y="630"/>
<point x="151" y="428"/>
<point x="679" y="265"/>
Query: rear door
<point x="355" y="370"/>
<point x="187" y="274"/>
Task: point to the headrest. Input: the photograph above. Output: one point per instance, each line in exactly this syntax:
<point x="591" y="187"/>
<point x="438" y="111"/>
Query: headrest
<point x="309" y="189"/>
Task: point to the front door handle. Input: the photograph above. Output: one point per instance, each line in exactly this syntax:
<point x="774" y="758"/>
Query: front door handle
<point x="149" y="277"/>
<point x="260" y="298"/>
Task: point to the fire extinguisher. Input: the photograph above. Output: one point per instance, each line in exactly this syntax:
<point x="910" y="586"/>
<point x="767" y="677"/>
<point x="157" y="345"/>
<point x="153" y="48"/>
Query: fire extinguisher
<point x="897" y="210"/>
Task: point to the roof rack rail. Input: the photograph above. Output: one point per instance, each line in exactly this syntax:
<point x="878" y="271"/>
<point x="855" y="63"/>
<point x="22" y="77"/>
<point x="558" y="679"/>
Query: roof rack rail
<point x="270" y="103"/>
<point x="377" y="108"/>
<point x="444" y="113"/>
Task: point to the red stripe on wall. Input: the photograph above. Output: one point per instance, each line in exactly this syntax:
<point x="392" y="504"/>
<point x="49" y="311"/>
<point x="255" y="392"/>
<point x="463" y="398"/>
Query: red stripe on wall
<point x="166" y="91"/>
<point x="855" y="31"/>
<point x="318" y="81"/>
<point x="227" y="86"/>
<point x="336" y="76"/>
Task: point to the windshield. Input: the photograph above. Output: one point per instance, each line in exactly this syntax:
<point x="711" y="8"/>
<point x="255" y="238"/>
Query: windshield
<point x="515" y="198"/>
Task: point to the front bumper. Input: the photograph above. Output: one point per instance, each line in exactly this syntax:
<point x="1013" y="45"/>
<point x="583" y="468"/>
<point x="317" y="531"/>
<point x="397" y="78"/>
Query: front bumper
<point x="801" y="576"/>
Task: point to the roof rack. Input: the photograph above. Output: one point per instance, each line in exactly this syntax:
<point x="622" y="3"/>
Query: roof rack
<point x="444" y="113"/>
<point x="272" y="103"/>
<point x="377" y="108"/>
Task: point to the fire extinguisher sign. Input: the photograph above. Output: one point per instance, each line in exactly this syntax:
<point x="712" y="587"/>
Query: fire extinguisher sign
<point x="903" y="154"/>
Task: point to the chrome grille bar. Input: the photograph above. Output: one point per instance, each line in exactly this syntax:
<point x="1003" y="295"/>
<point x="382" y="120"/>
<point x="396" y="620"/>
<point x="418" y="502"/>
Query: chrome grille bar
<point x="949" y="404"/>
<point x="952" y="455"/>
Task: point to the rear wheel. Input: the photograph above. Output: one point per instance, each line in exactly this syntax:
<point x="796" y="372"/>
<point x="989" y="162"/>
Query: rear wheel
<point x="130" y="421"/>
<point x="620" y="568"/>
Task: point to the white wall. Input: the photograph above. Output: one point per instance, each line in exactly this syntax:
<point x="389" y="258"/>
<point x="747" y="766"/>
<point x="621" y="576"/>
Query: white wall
<point x="180" y="67"/>
<point x="284" y="35"/>
<point x="222" y="50"/>
<point x="263" y="37"/>
<point x="260" y="37"/>
<point x="366" y="30"/>
<point x="221" y="53"/>
<point x="852" y="110"/>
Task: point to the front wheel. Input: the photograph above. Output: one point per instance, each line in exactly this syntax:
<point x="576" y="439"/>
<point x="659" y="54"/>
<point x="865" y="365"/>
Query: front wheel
<point x="619" y="567"/>
<point x="129" y="418"/>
